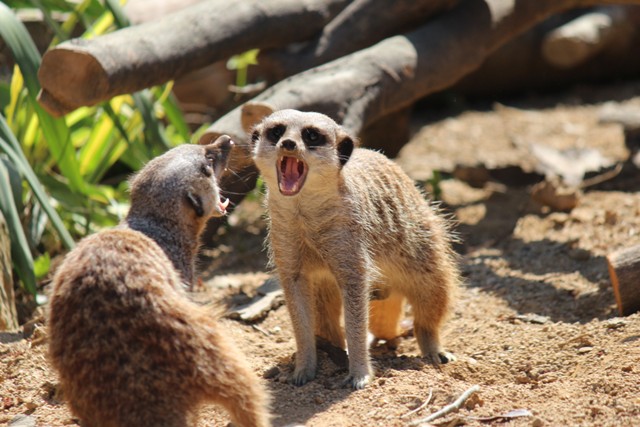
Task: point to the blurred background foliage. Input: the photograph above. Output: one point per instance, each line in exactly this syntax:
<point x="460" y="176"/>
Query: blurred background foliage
<point x="64" y="178"/>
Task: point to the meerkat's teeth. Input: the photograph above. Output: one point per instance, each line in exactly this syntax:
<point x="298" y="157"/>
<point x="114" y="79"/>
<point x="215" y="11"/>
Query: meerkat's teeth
<point x="223" y="204"/>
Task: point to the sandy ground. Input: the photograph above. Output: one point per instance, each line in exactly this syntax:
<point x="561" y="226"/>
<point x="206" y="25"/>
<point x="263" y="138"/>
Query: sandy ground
<point x="535" y="325"/>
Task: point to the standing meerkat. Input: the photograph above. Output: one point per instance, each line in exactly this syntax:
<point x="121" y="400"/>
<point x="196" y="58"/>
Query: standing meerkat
<point x="347" y="223"/>
<point x="131" y="349"/>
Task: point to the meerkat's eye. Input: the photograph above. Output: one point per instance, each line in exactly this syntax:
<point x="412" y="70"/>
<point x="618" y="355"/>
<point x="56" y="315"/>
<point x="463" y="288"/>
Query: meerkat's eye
<point x="312" y="137"/>
<point x="275" y="133"/>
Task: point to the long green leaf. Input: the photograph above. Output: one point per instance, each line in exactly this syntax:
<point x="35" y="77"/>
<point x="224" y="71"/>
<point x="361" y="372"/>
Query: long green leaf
<point x="20" y="252"/>
<point x="32" y="180"/>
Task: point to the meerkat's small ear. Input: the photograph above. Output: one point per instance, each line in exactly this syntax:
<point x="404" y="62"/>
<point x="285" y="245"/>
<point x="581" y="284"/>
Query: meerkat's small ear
<point x="253" y="113"/>
<point x="345" y="148"/>
<point x="196" y="203"/>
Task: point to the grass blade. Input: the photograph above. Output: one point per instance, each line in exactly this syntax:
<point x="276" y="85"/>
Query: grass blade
<point x="25" y="169"/>
<point x="20" y="252"/>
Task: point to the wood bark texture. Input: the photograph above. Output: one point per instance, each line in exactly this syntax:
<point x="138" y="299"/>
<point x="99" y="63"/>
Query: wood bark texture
<point x="359" y="25"/>
<point x="624" y="270"/>
<point x="84" y="72"/>
<point x="584" y="37"/>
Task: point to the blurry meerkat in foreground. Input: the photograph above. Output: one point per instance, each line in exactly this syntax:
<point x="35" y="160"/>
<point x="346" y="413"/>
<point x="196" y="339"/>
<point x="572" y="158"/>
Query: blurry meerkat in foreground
<point x="346" y="223"/>
<point x="130" y="347"/>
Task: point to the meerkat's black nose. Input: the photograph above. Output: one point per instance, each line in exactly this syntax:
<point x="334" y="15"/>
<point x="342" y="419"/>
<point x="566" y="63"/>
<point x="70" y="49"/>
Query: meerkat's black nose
<point x="288" y="145"/>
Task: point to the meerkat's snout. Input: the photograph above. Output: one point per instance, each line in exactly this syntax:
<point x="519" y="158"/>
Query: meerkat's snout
<point x="217" y="155"/>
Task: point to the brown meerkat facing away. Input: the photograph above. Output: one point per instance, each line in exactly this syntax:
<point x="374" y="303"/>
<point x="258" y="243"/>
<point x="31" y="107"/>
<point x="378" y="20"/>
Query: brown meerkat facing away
<point x="131" y="349"/>
<point x="346" y="223"/>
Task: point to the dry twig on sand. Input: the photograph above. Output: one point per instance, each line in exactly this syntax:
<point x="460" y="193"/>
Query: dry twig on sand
<point x="426" y="402"/>
<point x="447" y="409"/>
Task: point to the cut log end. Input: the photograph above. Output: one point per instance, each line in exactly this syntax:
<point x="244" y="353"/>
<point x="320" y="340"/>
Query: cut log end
<point x="624" y="270"/>
<point x="82" y="81"/>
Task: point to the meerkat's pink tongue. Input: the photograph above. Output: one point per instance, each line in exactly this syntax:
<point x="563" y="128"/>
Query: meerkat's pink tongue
<point x="292" y="174"/>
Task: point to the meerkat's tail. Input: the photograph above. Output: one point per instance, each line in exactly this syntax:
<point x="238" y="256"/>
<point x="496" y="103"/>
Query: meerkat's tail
<point x="231" y="382"/>
<point x="385" y="316"/>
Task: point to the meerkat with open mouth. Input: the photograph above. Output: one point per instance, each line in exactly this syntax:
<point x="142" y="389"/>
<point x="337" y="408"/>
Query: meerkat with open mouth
<point x="347" y="223"/>
<point x="131" y="349"/>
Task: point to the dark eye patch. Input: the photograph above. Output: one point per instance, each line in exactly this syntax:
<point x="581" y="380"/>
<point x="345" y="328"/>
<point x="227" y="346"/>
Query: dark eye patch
<point x="255" y="136"/>
<point x="274" y="133"/>
<point x="313" y="137"/>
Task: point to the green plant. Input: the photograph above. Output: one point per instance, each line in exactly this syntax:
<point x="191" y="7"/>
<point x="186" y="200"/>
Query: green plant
<point x="62" y="178"/>
<point x="241" y="63"/>
<point x="435" y="184"/>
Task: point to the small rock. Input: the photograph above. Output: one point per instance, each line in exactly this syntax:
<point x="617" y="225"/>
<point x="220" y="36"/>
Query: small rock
<point x="30" y="404"/>
<point x="556" y="196"/>
<point x="584" y="350"/>
<point x="22" y="421"/>
<point x="615" y="323"/>
<point x="533" y="318"/>
<point x="611" y="217"/>
<point x="319" y="400"/>
<point x="537" y="422"/>
<point x="271" y="373"/>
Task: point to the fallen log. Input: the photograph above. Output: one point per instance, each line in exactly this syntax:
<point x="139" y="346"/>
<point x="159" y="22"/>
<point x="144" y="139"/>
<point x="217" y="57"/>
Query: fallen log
<point x="359" y="25"/>
<point x="84" y="72"/>
<point x="584" y="37"/>
<point x="624" y="270"/>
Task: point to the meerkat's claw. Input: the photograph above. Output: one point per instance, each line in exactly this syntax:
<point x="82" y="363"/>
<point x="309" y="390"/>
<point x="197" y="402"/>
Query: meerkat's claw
<point x="440" y="358"/>
<point x="356" y="382"/>
<point x="446" y="357"/>
<point x="301" y="377"/>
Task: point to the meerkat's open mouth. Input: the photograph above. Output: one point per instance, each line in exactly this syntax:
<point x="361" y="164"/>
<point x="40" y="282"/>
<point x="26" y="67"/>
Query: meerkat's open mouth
<point x="291" y="175"/>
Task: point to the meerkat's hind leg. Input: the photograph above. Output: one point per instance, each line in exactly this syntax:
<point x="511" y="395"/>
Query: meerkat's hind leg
<point x="429" y="344"/>
<point x="384" y="318"/>
<point x="429" y="303"/>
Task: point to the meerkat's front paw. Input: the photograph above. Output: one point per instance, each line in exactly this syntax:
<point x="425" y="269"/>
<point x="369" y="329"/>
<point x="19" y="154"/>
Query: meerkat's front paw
<point x="301" y="376"/>
<point x="357" y="382"/>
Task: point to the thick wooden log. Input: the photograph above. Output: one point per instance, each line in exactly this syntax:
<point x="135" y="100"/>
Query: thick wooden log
<point x="624" y="270"/>
<point x="584" y="37"/>
<point x="359" y="25"/>
<point x="519" y="66"/>
<point x="84" y="72"/>
<point x="8" y="315"/>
